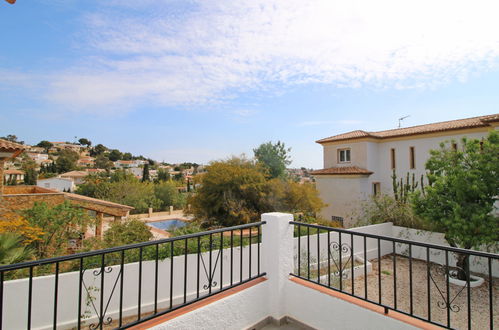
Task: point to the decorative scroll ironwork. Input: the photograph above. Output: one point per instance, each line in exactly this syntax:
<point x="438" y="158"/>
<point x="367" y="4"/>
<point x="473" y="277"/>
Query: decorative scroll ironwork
<point x="442" y="270"/>
<point x="342" y="250"/>
<point x="102" y="319"/>
<point x="210" y="274"/>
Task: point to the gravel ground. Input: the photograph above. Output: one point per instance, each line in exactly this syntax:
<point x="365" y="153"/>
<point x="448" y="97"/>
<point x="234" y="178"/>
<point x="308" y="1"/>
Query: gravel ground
<point x="458" y="319"/>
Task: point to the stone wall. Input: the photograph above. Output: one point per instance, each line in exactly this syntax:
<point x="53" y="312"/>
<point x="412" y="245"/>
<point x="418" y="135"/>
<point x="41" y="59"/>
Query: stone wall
<point x="26" y="201"/>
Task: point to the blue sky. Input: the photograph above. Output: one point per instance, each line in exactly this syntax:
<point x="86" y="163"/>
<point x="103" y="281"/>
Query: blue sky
<point x="200" y="80"/>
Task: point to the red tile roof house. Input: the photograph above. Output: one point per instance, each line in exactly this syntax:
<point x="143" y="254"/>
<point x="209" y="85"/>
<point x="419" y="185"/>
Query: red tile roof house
<point x="359" y="164"/>
<point x="17" y="175"/>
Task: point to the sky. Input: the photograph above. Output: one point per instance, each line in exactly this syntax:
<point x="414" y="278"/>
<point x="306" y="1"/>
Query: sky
<point x="201" y="80"/>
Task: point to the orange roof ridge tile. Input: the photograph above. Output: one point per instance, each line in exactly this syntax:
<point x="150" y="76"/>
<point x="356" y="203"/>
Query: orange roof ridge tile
<point x="473" y="122"/>
<point x="343" y="170"/>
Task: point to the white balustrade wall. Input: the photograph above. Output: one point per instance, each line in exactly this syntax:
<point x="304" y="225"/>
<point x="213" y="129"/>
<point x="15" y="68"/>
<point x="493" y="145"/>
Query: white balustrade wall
<point x="15" y="297"/>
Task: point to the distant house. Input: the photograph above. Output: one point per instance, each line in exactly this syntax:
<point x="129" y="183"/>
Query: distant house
<point x="13" y="175"/>
<point x="39" y="158"/>
<point x="136" y="171"/>
<point x="78" y="177"/>
<point x="360" y="164"/>
<point x="67" y="146"/>
<point x="86" y="161"/>
<point x="95" y="170"/>
<point x="122" y="164"/>
<point x="36" y="150"/>
<point x="59" y="184"/>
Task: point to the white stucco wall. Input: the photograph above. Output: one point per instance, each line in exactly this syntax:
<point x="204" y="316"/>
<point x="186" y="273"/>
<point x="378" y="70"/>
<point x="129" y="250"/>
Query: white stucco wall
<point x="16" y="291"/>
<point x="323" y="311"/>
<point x="382" y="168"/>
<point x="343" y="195"/>
<point x="58" y="184"/>
<point x="237" y="311"/>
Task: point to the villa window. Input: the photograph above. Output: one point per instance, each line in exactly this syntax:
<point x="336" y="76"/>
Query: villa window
<point x="344" y="155"/>
<point x="392" y="158"/>
<point x="412" y="157"/>
<point x="376" y="188"/>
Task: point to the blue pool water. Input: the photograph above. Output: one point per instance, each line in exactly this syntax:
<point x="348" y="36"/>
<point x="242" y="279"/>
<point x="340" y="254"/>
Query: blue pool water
<point x="168" y="224"/>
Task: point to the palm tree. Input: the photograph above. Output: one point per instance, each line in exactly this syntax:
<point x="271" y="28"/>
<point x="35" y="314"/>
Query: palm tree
<point x="12" y="250"/>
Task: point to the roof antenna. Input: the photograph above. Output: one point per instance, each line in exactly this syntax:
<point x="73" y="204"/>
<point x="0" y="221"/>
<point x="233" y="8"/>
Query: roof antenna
<point x="400" y="119"/>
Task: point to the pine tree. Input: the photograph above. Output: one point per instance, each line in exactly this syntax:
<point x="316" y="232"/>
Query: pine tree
<point x="145" y="173"/>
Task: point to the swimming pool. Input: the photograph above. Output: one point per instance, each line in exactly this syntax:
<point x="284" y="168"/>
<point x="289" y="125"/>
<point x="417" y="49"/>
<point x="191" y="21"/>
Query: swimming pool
<point x="168" y="224"/>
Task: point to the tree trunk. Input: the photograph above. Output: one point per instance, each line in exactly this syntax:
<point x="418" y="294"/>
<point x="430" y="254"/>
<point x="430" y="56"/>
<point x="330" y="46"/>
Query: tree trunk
<point x="462" y="263"/>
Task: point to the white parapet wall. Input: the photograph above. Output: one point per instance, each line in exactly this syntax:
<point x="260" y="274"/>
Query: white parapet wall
<point x="15" y="310"/>
<point x="276" y="297"/>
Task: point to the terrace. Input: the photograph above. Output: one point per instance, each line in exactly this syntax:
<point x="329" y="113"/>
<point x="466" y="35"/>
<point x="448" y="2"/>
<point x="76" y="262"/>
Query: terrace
<point x="256" y="276"/>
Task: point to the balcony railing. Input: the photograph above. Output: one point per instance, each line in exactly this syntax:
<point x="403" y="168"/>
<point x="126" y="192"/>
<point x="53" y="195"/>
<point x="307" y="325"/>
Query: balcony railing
<point x="413" y="278"/>
<point x="123" y="286"/>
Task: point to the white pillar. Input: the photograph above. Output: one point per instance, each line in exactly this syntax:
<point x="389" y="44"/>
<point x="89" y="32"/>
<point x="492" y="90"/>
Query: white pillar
<point x="277" y="258"/>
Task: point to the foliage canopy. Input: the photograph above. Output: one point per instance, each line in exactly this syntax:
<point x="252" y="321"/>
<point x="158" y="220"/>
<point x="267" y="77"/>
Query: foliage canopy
<point x="464" y="185"/>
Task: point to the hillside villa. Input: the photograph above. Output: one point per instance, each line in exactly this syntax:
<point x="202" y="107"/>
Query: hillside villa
<point x="360" y="164"/>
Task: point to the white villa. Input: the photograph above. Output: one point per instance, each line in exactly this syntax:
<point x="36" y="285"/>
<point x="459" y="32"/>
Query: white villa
<point x="59" y="184"/>
<point x="358" y="164"/>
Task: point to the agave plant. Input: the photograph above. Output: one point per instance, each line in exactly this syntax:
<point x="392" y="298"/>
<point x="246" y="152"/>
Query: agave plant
<point x="12" y="249"/>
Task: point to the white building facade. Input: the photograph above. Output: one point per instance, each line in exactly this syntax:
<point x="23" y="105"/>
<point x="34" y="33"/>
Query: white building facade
<point x="59" y="184"/>
<point x="360" y="164"/>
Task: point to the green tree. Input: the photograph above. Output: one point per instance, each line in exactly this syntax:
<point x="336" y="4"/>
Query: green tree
<point x="145" y="173"/>
<point x="103" y="162"/>
<point x="85" y="142"/>
<point x="169" y="195"/>
<point x="115" y="155"/>
<point x="459" y="201"/>
<point x="274" y="156"/>
<point x="97" y="150"/>
<point x="127" y="232"/>
<point x="29" y="168"/>
<point x="163" y="175"/>
<point x="127" y="156"/>
<point x="232" y="192"/>
<point x="12" y="250"/>
<point x="124" y="188"/>
<point x="59" y="223"/>
<point x="66" y="161"/>
<point x="290" y="196"/>
<point x="45" y="145"/>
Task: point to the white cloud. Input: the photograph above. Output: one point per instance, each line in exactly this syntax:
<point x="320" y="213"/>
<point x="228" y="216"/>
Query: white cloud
<point x="217" y="49"/>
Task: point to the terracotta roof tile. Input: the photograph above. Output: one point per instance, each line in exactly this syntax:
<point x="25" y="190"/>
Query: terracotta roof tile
<point x="19" y="172"/>
<point x="11" y="147"/>
<point x="344" y="170"/>
<point x="77" y="197"/>
<point x="74" y="174"/>
<point x="482" y="121"/>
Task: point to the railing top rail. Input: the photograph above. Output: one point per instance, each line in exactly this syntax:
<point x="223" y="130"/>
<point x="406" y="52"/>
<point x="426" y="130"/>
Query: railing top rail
<point x="399" y="240"/>
<point x="124" y="247"/>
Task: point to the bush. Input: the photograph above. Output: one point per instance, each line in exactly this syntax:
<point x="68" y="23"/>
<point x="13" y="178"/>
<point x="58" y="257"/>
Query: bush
<point x="385" y="208"/>
<point x="168" y="194"/>
<point x="127" y="232"/>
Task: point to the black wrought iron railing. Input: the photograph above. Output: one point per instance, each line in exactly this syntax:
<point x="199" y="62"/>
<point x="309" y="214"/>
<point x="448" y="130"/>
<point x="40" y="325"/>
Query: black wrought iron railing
<point x="446" y="286"/>
<point x="123" y="286"/>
